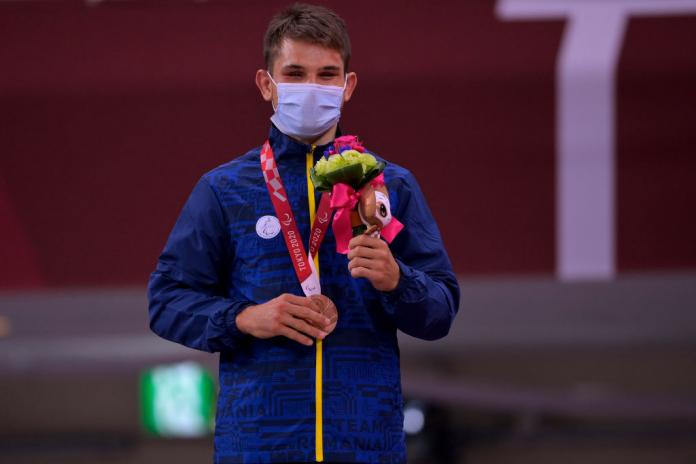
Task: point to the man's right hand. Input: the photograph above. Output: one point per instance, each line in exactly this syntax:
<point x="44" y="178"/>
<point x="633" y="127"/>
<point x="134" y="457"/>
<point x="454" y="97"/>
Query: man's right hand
<point x="292" y="316"/>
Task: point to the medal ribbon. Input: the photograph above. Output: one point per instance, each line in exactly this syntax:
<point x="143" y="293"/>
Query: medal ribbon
<point x="304" y="267"/>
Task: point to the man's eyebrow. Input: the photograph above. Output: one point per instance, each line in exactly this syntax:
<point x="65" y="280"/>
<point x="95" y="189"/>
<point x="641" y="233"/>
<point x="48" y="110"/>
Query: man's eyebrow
<point x="298" y="67"/>
<point x="292" y="67"/>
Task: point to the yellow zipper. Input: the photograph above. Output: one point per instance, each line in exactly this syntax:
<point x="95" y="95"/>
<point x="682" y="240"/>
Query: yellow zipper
<point x="318" y="397"/>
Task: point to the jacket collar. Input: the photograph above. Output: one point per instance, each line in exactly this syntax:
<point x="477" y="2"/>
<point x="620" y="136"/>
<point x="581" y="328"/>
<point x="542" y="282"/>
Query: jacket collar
<point x="285" y="146"/>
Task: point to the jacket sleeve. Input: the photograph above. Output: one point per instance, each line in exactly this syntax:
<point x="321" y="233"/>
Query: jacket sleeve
<point x="426" y="298"/>
<point x="187" y="292"/>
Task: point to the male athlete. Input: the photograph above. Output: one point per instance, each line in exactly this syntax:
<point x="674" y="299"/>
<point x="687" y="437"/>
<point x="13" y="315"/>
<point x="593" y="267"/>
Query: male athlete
<point x="294" y="388"/>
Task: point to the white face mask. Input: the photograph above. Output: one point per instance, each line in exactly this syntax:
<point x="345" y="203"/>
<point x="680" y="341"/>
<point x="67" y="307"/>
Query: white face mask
<point x="307" y="110"/>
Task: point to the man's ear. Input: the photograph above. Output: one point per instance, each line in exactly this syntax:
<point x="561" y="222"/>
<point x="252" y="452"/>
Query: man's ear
<point x="265" y="85"/>
<point x="351" y="83"/>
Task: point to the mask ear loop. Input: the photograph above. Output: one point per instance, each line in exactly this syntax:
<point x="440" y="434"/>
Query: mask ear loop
<point x="345" y="83"/>
<point x="276" y="84"/>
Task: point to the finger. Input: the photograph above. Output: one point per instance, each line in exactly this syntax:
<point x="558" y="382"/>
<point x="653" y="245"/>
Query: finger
<point x="362" y="262"/>
<point x="369" y="274"/>
<point x="302" y="326"/>
<point x="313" y="316"/>
<point x="371" y="242"/>
<point x="296" y="300"/>
<point x="362" y="240"/>
<point x="371" y="229"/>
<point x="295" y="335"/>
<point x="364" y="251"/>
<point x="316" y="306"/>
<point x="331" y="328"/>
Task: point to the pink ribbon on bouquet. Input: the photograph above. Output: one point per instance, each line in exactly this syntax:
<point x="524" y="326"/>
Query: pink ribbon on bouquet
<point x="344" y="198"/>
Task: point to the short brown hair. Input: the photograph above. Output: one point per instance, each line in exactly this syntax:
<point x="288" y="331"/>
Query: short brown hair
<point x="309" y="23"/>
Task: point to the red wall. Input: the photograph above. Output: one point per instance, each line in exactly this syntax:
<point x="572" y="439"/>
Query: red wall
<point x="109" y="114"/>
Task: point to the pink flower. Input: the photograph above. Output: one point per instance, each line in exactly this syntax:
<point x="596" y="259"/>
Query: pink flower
<point x="348" y="142"/>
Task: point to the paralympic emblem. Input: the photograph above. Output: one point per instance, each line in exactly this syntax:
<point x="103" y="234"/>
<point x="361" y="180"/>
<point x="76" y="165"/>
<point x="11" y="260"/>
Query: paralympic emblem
<point x="267" y="227"/>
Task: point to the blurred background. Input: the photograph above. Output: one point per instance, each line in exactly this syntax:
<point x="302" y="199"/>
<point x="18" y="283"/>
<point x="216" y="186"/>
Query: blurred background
<point x="554" y="141"/>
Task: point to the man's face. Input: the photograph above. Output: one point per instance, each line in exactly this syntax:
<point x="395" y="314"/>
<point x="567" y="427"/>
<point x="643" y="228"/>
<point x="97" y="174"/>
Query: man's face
<point x="303" y="62"/>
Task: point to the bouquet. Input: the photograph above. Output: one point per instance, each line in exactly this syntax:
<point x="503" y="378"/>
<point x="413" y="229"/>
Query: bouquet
<point x="355" y="180"/>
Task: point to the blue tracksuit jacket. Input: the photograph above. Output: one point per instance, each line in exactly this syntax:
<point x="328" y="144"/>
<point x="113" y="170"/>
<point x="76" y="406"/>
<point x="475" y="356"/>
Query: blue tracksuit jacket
<point x="215" y="264"/>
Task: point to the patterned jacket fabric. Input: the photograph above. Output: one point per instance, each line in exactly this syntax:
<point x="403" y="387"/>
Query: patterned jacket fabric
<point x="219" y="259"/>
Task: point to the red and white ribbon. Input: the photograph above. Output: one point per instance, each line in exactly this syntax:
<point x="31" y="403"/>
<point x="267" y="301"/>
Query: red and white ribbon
<point x="304" y="266"/>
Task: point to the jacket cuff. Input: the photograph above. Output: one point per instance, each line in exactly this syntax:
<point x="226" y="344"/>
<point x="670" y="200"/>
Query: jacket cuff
<point x="232" y="333"/>
<point x="408" y="290"/>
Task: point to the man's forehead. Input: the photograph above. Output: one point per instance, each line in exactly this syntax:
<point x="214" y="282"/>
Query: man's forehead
<point x="295" y="54"/>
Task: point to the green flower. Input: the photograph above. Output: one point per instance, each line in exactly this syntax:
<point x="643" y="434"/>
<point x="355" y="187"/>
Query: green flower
<point x="335" y="163"/>
<point x="321" y="167"/>
<point x="349" y="167"/>
<point x="368" y="162"/>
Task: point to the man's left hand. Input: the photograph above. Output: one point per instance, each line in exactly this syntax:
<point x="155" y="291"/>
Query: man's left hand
<point x="371" y="258"/>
